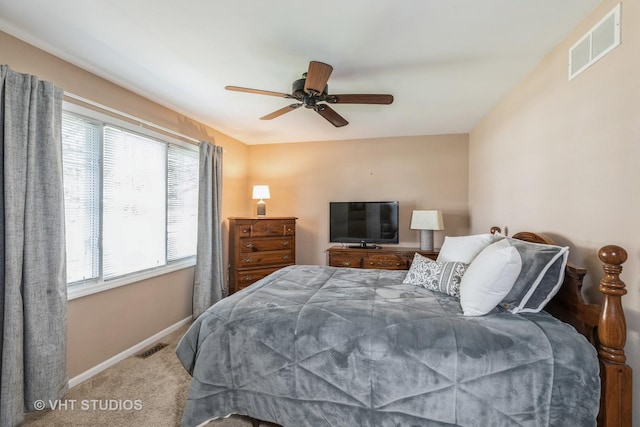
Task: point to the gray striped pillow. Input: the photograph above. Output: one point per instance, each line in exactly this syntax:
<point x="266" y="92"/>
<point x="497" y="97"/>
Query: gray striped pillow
<point x="437" y="276"/>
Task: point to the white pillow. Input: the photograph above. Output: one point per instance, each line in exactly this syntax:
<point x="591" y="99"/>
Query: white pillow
<point x="489" y="278"/>
<point x="463" y="248"/>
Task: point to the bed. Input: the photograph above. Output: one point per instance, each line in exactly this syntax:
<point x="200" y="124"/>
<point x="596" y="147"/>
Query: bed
<point x="318" y="345"/>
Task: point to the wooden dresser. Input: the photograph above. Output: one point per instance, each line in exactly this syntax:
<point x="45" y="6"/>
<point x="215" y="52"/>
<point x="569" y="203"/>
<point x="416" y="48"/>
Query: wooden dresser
<point x="258" y="246"/>
<point x="386" y="258"/>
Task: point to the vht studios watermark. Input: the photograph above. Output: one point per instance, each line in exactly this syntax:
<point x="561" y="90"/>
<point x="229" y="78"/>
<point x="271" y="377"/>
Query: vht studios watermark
<point x="89" y="405"/>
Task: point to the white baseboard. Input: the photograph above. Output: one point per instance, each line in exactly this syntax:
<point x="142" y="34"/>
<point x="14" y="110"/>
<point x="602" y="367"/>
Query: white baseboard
<point x="128" y="352"/>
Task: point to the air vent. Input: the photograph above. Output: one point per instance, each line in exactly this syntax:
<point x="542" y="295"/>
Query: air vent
<point x="599" y="41"/>
<point x="152" y="350"/>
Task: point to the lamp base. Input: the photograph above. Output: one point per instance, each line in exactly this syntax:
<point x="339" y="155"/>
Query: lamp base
<point x="262" y="208"/>
<point x="426" y="240"/>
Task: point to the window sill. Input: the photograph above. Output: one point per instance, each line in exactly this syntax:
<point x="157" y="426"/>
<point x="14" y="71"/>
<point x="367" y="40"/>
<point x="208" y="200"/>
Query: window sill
<point x="83" y="290"/>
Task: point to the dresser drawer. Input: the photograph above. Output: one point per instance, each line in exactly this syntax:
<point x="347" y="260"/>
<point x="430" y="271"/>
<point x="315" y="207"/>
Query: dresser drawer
<point x="265" y="244"/>
<point x="266" y="228"/>
<point x="250" y="259"/>
<point x="385" y="258"/>
<point x="345" y="260"/>
<point x="386" y="262"/>
<point x="245" y="278"/>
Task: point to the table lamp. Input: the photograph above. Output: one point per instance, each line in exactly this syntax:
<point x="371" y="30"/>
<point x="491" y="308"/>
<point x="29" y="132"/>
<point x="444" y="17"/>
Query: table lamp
<point x="261" y="192"/>
<point x="426" y="222"/>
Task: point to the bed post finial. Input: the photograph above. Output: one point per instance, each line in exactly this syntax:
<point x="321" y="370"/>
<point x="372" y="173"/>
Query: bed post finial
<point x="612" y="330"/>
<point x="616" y="376"/>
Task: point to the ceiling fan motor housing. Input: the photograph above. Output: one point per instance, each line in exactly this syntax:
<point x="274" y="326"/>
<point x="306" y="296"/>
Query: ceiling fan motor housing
<point x="297" y="88"/>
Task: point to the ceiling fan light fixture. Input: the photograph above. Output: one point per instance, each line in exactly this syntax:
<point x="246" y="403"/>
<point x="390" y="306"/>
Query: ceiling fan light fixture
<point x="309" y="101"/>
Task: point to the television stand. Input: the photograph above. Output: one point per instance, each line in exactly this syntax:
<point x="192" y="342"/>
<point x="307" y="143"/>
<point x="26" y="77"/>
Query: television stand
<point x="386" y="258"/>
<point x="364" y="245"/>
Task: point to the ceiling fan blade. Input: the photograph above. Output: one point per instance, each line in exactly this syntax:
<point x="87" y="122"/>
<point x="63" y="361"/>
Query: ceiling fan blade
<point x="258" y="91"/>
<point x="330" y="114"/>
<point x="280" y="112"/>
<point x="317" y="77"/>
<point x="360" y="99"/>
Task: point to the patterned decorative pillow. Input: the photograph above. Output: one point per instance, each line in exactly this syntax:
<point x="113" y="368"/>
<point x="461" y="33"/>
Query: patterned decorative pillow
<point x="437" y="276"/>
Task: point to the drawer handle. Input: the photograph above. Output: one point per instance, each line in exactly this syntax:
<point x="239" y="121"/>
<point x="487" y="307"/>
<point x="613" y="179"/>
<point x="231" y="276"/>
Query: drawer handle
<point x="285" y="243"/>
<point x="246" y="230"/>
<point x="346" y="263"/>
<point x="247" y="278"/>
<point x="285" y="256"/>
<point x="248" y="260"/>
<point x="248" y="245"/>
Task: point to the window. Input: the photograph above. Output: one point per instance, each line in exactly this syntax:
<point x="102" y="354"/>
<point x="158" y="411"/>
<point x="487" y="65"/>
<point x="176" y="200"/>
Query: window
<point x="81" y="158"/>
<point x="182" y="196"/>
<point x="130" y="202"/>
<point x="134" y="200"/>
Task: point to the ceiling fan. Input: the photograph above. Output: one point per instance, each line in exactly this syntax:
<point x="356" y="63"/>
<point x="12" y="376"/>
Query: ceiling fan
<point x="311" y="92"/>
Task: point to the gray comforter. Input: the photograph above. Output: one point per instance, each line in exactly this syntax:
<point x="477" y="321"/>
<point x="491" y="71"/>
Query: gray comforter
<point x="323" y="346"/>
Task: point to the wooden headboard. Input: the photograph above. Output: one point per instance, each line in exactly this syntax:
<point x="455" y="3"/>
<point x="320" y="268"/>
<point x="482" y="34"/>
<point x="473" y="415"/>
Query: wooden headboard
<point x="602" y="324"/>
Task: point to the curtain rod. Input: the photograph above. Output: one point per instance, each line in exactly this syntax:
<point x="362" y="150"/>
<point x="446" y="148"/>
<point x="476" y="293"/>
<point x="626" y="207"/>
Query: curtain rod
<point x="131" y="117"/>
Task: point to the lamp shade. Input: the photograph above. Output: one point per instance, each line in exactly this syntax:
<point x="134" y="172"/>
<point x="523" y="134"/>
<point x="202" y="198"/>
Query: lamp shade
<point x="261" y="192"/>
<point x="427" y="220"/>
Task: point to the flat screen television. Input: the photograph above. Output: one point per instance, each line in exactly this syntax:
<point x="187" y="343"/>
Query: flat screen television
<point x="363" y="223"/>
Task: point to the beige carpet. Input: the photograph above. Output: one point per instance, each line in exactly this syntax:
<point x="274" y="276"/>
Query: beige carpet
<point x="134" y="393"/>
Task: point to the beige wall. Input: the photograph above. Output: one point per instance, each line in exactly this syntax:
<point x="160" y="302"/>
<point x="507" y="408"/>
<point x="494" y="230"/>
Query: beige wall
<point x="427" y="172"/>
<point x="102" y="325"/>
<point x="563" y="157"/>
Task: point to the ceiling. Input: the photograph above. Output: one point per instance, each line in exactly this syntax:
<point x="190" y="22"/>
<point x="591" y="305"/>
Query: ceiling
<point x="446" y="62"/>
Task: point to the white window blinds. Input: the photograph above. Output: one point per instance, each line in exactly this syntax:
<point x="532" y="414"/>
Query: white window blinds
<point x="81" y="147"/>
<point x="130" y="201"/>
<point x="182" y="203"/>
<point x="134" y="210"/>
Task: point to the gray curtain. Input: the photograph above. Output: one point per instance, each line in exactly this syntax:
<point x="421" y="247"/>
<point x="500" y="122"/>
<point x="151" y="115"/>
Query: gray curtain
<point x="33" y="292"/>
<point x="209" y="285"/>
